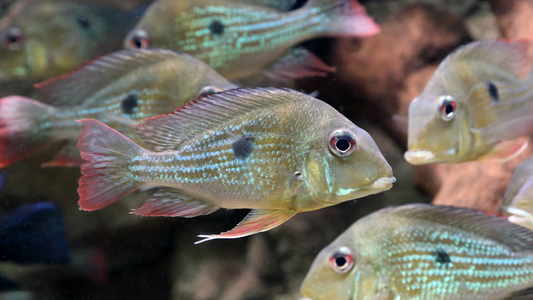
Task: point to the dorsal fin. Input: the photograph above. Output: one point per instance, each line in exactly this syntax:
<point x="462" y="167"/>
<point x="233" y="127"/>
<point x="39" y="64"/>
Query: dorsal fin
<point x="491" y="227"/>
<point x="514" y="56"/>
<point x="167" y="132"/>
<point x="74" y="88"/>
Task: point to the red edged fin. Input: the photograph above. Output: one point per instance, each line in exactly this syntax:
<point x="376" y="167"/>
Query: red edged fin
<point x="347" y="18"/>
<point x="174" y="203"/>
<point x="68" y="156"/>
<point x="20" y="130"/>
<point x="107" y="177"/>
<point x="258" y="220"/>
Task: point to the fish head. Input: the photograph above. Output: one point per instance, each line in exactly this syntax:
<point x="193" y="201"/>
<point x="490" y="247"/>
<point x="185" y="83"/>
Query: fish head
<point x="438" y="130"/>
<point x="341" y="271"/>
<point x="346" y="163"/>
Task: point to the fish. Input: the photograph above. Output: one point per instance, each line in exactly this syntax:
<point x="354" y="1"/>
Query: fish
<point x="274" y="151"/>
<point x="477" y="106"/>
<point x="239" y="40"/>
<point x="421" y="252"/>
<point x="40" y="39"/>
<point x="517" y="202"/>
<point x="281" y="5"/>
<point x="119" y="89"/>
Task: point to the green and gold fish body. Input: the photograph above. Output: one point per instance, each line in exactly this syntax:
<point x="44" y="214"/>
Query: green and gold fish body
<point x="424" y="252"/>
<point x="45" y="38"/>
<point x="119" y="89"/>
<point x="238" y="39"/>
<point x="475" y="105"/>
<point x="270" y="150"/>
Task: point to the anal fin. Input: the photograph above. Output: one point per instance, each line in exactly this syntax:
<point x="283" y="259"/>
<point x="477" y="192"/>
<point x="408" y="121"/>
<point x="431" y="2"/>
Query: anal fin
<point x="174" y="203"/>
<point x="68" y="156"/>
<point x="298" y="63"/>
<point x="258" y="220"/>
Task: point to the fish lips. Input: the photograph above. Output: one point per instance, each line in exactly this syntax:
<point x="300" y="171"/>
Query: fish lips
<point x="419" y="157"/>
<point x="384" y="183"/>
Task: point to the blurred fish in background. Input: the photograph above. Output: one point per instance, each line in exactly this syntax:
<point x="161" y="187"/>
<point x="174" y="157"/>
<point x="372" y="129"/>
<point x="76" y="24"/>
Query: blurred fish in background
<point x="44" y="38"/>
<point x="425" y="252"/>
<point x="476" y="105"/>
<point x="119" y="89"/>
<point x="32" y="234"/>
<point x="240" y="40"/>
<point x="518" y="198"/>
<point x="276" y="151"/>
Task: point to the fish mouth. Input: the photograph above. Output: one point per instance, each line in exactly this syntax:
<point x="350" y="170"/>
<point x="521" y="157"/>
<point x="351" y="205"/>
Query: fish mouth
<point x="419" y="157"/>
<point x="384" y="183"/>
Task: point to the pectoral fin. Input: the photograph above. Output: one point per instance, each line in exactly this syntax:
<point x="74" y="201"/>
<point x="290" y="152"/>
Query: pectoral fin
<point x="298" y="63"/>
<point x="506" y="150"/>
<point x="258" y="220"/>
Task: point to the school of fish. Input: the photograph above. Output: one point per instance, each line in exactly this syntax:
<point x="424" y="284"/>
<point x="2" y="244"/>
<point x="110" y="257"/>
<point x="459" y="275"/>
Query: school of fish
<point x="147" y="94"/>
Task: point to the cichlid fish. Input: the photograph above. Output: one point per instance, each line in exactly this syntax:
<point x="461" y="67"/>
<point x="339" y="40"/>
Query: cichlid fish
<point x="518" y="198"/>
<point x="119" y="89"/>
<point x="425" y="252"/>
<point x="475" y="106"/>
<point x="281" y="5"/>
<point x="44" y="38"/>
<point x="275" y="151"/>
<point x="240" y="40"/>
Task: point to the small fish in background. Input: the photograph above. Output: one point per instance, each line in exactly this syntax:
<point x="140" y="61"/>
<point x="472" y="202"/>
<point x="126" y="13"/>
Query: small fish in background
<point x="476" y="106"/>
<point x="422" y="252"/>
<point x="32" y="234"/>
<point x="518" y="198"/>
<point x="44" y="38"/>
<point x="239" y="40"/>
<point x="275" y="151"/>
<point x="118" y="89"/>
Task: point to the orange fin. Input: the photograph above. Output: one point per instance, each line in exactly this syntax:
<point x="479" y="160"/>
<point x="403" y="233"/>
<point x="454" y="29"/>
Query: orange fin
<point x="258" y="220"/>
<point x="174" y="203"/>
<point x="68" y="156"/>
<point x="506" y="150"/>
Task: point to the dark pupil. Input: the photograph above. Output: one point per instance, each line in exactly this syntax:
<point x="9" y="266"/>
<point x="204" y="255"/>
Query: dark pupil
<point x="493" y="91"/>
<point x="342" y="144"/>
<point x="448" y="109"/>
<point x="12" y="38"/>
<point x="137" y="42"/>
<point x="340" y="261"/>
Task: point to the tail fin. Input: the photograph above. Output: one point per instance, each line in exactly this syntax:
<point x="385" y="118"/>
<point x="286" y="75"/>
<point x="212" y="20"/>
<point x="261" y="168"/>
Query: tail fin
<point x="23" y="128"/>
<point x="346" y="18"/>
<point x="107" y="178"/>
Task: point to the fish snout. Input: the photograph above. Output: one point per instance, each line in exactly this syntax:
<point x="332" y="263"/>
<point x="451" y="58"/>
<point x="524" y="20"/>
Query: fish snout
<point x="419" y="157"/>
<point x="384" y="183"/>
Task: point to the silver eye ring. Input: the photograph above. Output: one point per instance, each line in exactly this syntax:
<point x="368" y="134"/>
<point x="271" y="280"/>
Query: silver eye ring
<point x="342" y="261"/>
<point x="342" y="142"/>
<point x="447" y="107"/>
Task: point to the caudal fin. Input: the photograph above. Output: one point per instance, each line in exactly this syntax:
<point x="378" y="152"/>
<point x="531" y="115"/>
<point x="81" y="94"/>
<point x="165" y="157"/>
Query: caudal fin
<point x="24" y="128"/>
<point x="107" y="177"/>
<point x="344" y="18"/>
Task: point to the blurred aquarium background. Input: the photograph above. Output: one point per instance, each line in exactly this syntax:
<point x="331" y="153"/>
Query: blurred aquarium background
<point x="116" y="255"/>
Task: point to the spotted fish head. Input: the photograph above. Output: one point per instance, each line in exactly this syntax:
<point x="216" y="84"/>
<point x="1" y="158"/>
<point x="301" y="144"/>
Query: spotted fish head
<point x="341" y="271"/>
<point x="346" y="163"/>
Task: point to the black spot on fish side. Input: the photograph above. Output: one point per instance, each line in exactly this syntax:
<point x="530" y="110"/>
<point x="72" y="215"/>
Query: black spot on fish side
<point x="216" y="27"/>
<point x="243" y="147"/>
<point x="83" y="23"/>
<point x="493" y="91"/>
<point x="442" y="257"/>
<point x="129" y="103"/>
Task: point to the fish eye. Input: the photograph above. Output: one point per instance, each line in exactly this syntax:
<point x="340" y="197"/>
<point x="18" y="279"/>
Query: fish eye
<point x="13" y="39"/>
<point x="139" y="40"/>
<point x="342" y="261"/>
<point x="447" y="107"/>
<point x="207" y="90"/>
<point x="342" y="142"/>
